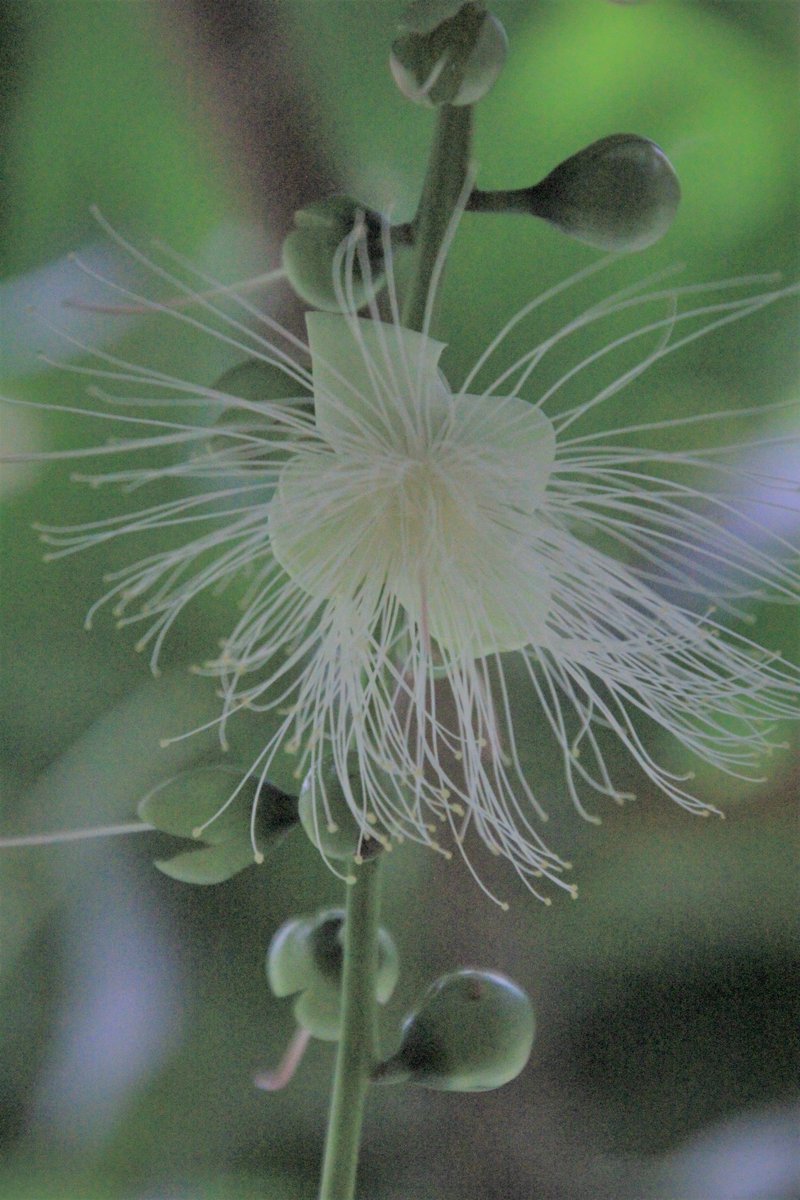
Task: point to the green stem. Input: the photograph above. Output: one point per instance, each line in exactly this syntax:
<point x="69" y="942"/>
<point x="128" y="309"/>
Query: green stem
<point x="447" y="171"/>
<point x="519" y="200"/>
<point x="356" y="1052"/>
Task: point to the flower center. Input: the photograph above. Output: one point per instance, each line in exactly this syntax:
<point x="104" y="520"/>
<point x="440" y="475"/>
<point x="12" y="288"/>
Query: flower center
<point x="452" y="533"/>
<point x="414" y="496"/>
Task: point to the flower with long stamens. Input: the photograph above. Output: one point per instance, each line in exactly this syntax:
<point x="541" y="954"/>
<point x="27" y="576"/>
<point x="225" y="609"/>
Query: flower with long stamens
<point x="415" y="551"/>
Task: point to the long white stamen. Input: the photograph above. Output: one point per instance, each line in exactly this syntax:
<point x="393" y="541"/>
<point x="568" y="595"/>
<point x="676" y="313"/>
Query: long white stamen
<point x="74" y="835"/>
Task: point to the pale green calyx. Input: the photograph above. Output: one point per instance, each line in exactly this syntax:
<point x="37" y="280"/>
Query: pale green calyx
<point x="472" y="1031"/>
<point x="214" y="807"/>
<point x="429" y="497"/>
<point x="447" y="53"/>
<point x="620" y="193"/>
<point x="334" y="256"/>
<point x="306" y="956"/>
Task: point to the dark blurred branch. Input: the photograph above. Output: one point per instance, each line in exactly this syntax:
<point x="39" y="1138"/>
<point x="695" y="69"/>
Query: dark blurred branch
<point x="238" y="54"/>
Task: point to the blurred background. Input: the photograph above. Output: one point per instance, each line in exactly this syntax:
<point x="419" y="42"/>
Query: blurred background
<point x="134" y="1009"/>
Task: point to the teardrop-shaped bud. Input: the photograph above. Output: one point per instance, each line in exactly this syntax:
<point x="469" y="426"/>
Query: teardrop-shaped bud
<point x="195" y="804"/>
<point x="306" y="956"/>
<point x="472" y="1031"/>
<point x="447" y="52"/>
<point x="316" y="260"/>
<point x="619" y="194"/>
<point x="327" y="808"/>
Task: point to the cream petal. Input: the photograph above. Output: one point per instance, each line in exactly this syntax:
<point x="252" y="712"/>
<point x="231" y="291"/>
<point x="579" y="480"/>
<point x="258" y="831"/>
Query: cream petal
<point x="491" y="590"/>
<point x="518" y="437"/>
<point x="316" y="524"/>
<point x="371" y="379"/>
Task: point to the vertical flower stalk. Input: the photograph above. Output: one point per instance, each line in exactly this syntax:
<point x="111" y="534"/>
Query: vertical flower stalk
<point x="447" y="175"/>
<point x="356" y="1051"/>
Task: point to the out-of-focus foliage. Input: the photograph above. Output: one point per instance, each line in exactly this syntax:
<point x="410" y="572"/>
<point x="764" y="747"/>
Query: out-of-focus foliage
<point x="133" y="1008"/>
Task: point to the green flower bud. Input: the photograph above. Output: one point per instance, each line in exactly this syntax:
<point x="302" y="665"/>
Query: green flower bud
<point x="448" y="53"/>
<point x="187" y="806"/>
<point x="258" y="383"/>
<point x="328" y="819"/>
<point x="306" y="955"/>
<point x="618" y="194"/>
<point x="310" y="253"/>
<point x="472" y="1031"/>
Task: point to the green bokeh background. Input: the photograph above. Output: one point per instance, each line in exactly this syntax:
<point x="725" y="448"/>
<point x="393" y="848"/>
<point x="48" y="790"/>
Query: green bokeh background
<point x="134" y="1010"/>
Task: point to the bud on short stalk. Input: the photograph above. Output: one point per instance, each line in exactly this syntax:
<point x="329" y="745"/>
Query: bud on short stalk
<point x="620" y="194"/>
<point x="472" y="1031"/>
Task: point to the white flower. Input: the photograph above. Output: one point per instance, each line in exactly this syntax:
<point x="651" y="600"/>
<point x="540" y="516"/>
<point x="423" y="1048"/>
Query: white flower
<point x="410" y="543"/>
